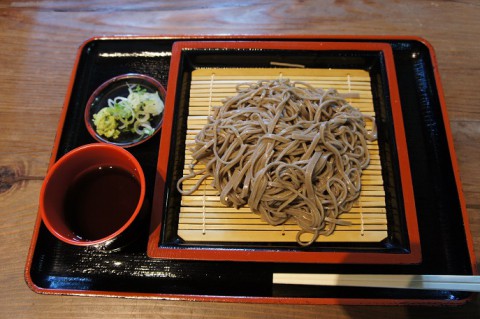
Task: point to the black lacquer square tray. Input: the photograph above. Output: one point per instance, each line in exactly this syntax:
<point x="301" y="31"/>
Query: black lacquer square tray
<point x="446" y="246"/>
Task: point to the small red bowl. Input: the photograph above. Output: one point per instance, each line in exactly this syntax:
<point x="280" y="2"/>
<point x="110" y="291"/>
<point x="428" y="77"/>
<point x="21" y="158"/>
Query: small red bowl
<point x="63" y="174"/>
<point x="115" y="87"/>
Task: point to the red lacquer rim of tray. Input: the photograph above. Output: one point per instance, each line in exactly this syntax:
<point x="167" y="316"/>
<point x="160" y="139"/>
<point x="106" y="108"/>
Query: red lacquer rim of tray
<point x="272" y="255"/>
<point x="257" y="300"/>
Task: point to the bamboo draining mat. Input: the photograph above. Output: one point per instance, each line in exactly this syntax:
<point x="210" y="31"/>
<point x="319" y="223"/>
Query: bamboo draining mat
<point x="203" y="218"/>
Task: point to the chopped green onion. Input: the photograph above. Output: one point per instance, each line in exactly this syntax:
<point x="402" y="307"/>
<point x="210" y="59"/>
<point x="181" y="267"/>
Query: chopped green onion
<point x="131" y="114"/>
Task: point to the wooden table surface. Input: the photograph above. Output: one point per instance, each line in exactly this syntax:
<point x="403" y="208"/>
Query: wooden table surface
<point x="39" y="41"/>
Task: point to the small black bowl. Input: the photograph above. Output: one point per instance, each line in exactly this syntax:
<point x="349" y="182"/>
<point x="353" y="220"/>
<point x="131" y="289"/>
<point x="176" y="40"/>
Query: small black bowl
<point x="115" y="87"/>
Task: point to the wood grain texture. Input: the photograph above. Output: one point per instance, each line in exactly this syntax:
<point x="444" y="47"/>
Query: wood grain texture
<point x="39" y="40"/>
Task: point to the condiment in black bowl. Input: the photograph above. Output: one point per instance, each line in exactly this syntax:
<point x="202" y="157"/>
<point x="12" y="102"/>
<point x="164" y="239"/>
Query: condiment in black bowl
<point x="125" y="110"/>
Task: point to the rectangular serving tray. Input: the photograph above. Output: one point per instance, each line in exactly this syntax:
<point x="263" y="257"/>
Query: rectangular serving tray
<point x="402" y="242"/>
<point x="53" y="267"/>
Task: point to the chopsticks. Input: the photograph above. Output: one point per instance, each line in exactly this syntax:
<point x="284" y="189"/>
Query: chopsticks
<point x="424" y="282"/>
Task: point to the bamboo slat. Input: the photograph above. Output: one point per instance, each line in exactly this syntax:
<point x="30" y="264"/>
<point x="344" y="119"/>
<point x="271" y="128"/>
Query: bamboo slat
<point x="204" y="218"/>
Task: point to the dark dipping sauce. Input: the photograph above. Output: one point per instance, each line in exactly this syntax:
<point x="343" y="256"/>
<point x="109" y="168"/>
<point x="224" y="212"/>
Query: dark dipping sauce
<point x="100" y="201"/>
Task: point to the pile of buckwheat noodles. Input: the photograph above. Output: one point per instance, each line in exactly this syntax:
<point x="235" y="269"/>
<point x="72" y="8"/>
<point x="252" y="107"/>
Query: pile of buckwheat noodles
<point x="288" y="150"/>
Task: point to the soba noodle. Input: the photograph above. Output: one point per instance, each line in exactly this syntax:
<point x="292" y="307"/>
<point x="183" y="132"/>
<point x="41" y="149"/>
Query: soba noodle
<point x="288" y="150"/>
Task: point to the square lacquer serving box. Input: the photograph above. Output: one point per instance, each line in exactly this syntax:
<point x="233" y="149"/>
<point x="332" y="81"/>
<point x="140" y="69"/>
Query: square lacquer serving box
<point x="381" y="227"/>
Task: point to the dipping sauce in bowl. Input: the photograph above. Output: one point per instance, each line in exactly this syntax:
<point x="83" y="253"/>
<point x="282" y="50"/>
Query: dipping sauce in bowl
<point x="107" y="195"/>
<point x="94" y="196"/>
<point x="125" y="110"/>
